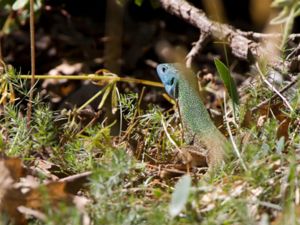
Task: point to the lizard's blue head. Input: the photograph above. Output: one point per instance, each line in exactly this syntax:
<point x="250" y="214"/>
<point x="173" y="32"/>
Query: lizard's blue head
<point x="169" y="75"/>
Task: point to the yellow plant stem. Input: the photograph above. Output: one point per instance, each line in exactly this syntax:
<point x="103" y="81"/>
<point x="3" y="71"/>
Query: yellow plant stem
<point x="92" y="98"/>
<point x="94" y="77"/>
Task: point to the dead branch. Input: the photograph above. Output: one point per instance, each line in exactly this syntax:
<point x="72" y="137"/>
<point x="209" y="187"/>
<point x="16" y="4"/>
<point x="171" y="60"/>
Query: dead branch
<point x="198" y="46"/>
<point x="240" y="43"/>
<point x="275" y="95"/>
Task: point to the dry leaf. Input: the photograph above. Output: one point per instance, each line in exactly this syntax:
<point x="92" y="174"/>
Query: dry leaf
<point x="283" y="129"/>
<point x="20" y="195"/>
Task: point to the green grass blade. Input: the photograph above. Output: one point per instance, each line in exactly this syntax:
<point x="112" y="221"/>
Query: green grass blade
<point x="227" y="80"/>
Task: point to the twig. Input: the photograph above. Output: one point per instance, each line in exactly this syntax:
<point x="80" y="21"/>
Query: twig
<point x="267" y="204"/>
<point x="89" y="124"/>
<point x="168" y="135"/>
<point x="95" y="77"/>
<point x="1" y="53"/>
<point x="237" y="152"/>
<point x="261" y="36"/>
<point x="198" y="46"/>
<point x="294" y="52"/>
<point x="274" y="96"/>
<point x="32" y="54"/>
<point x="75" y="177"/>
<point x="274" y="89"/>
<point x="121" y="110"/>
<point x="241" y="46"/>
<point x="75" y="182"/>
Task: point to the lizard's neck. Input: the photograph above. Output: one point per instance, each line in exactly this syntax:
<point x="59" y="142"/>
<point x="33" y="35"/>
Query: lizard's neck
<point x="193" y="111"/>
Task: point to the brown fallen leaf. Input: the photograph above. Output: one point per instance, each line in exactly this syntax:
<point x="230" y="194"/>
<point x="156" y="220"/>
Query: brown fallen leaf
<point x="10" y="198"/>
<point x="286" y="218"/>
<point x="283" y="129"/>
<point x="15" y="167"/>
<point x="22" y="196"/>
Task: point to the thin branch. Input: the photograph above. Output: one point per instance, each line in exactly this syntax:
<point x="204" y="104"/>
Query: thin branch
<point x="168" y="135"/>
<point x="274" y="89"/>
<point x="235" y="148"/>
<point x="293" y="53"/>
<point x="197" y="48"/>
<point x="262" y="37"/>
<point x="75" y="177"/>
<point x="241" y="45"/>
<point x="75" y="182"/>
<point x="32" y="54"/>
<point x="95" y="77"/>
<point x="1" y="49"/>
<point x="274" y="96"/>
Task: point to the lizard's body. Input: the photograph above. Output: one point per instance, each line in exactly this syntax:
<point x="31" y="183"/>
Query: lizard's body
<point x="182" y="83"/>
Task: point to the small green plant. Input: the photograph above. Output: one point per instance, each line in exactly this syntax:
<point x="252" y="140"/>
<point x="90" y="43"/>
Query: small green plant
<point x="18" y="141"/>
<point x="45" y="133"/>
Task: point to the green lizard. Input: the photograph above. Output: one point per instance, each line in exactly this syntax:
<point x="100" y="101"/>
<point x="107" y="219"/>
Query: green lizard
<point x="199" y="130"/>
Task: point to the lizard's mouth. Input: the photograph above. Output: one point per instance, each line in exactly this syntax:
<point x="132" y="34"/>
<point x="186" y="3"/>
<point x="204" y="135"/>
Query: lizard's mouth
<point x="171" y="87"/>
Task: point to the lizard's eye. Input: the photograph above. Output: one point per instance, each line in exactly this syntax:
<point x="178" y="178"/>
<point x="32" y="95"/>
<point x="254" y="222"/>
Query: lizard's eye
<point x="164" y="69"/>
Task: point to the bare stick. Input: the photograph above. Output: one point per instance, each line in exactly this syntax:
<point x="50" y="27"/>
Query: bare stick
<point x="235" y="148"/>
<point x="198" y="46"/>
<point x="75" y="177"/>
<point x="110" y="77"/>
<point x="274" y="89"/>
<point x="1" y="53"/>
<point x="261" y="36"/>
<point x="274" y="96"/>
<point x="32" y="54"/>
<point x="241" y="45"/>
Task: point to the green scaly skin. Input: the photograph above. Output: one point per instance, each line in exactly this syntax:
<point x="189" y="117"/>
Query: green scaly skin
<point x="182" y="83"/>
